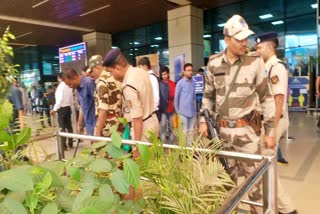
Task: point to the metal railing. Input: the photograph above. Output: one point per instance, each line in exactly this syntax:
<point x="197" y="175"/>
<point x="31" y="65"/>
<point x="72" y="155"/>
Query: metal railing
<point x="265" y="170"/>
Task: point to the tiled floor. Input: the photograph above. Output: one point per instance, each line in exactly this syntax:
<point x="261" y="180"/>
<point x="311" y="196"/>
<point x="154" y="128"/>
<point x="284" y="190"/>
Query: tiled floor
<point x="301" y="178"/>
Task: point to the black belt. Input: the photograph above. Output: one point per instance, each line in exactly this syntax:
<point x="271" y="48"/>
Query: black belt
<point x="149" y="116"/>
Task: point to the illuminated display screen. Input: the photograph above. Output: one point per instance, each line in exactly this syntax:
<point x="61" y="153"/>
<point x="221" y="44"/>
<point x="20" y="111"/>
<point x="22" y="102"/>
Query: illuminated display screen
<point x="73" y="56"/>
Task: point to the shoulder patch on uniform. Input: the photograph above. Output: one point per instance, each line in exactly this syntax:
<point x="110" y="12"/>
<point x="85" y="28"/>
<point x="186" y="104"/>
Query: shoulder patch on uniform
<point x="274" y="79"/>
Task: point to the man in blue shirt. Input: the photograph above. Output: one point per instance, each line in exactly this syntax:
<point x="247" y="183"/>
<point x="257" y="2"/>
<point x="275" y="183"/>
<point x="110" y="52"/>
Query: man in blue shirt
<point x="184" y="101"/>
<point x="85" y="86"/>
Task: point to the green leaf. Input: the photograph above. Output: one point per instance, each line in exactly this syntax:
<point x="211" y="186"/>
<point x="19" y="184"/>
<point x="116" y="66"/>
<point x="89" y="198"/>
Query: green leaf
<point x="17" y="196"/>
<point x="116" y="139"/>
<point x="14" y="206"/>
<point x="120" y="182"/>
<point x="55" y="166"/>
<point x="50" y="209"/>
<point x="122" y="120"/>
<point x="114" y="152"/>
<point x="46" y="182"/>
<point x="145" y="153"/>
<point x="99" y="144"/>
<point x="84" y="195"/>
<point x="132" y="172"/>
<point x="90" y="210"/>
<point x="16" y="180"/>
<point x="75" y="173"/>
<point x="4" y="136"/>
<point x="106" y="193"/>
<point x="100" y="165"/>
<point x="11" y="36"/>
<point x="64" y="199"/>
<point x="99" y="203"/>
<point x="6" y="111"/>
<point x="23" y="136"/>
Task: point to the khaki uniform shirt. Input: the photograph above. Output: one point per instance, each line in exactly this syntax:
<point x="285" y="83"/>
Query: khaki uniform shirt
<point x="251" y="88"/>
<point x="278" y="76"/>
<point x="138" y="100"/>
<point x="108" y="97"/>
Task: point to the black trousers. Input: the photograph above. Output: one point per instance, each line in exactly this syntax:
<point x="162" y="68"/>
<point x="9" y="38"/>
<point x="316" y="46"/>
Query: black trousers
<point x="64" y="121"/>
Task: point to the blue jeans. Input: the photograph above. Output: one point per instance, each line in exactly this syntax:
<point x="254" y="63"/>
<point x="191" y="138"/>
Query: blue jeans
<point x="187" y="127"/>
<point x="166" y="124"/>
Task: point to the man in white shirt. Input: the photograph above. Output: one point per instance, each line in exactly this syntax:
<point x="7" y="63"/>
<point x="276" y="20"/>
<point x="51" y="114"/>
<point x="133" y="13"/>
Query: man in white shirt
<point x="145" y="64"/>
<point x="64" y="100"/>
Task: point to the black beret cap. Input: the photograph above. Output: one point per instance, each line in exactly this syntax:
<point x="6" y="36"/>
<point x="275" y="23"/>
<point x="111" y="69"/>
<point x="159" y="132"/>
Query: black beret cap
<point x="266" y="37"/>
<point x="112" y="57"/>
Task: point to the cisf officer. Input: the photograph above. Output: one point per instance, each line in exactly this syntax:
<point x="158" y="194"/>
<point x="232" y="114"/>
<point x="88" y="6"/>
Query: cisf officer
<point x="278" y="76"/>
<point x="137" y="95"/>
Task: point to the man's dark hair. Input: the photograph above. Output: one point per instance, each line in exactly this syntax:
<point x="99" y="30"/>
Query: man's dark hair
<point x="59" y="75"/>
<point x="275" y="43"/>
<point x="145" y="61"/>
<point x="164" y="69"/>
<point x="69" y="73"/>
<point x="201" y="70"/>
<point x="187" y="65"/>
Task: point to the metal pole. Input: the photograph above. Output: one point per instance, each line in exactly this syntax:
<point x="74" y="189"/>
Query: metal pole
<point x="59" y="146"/>
<point x="270" y="190"/>
<point x="237" y="155"/>
<point x="231" y="203"/>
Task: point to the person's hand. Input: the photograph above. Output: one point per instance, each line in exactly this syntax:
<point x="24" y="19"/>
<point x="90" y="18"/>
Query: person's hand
<point x="270" y="142"/>
<point x="80" y="128"/>
<point x="52" y="112"/>
<point x="203" y="128"/>
<point x="318" y="94"/>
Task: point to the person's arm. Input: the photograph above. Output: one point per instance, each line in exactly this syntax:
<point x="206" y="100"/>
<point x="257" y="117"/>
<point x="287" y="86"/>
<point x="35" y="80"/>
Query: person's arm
<point x="267" y="103"/>
<point x="80" y="121"/>
<point x="208" y="99"/>
<point x="21" y="121"/>
<point x="177" y="96"/>
<point x="155" y="87"/>
<point x="318" y="86"/>
<point x="58" y="97"/>
<point x="279" y="100"/>
<point x="101" y="119"/>
<point x="137" y="124"/>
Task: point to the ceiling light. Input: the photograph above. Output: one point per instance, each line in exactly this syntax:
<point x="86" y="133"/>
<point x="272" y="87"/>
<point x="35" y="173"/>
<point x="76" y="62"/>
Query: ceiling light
<point x="277" y="22"/>
<point x="130" y="54"/>
<point x="114" y="47"/>
<point x="136" y="43"/>
<point x="158" y="38"/>
<point x="40" y="3"/>
<point x="314" y="6"/>
<point x="136" y="49"/>
<point x="130" y="43"/>
<point x="206" y="36"/>
<point x="95" y="10"/>
<point x="266" y="16"/>
<point x="153" y="46"/>
<point x="221" y="25"/>
<point x="22" y="35"/>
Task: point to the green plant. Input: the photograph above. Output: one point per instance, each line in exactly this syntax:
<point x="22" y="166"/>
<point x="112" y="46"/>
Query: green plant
<point x="7" y="70"/>
<point x="181" y="180"/>
<point x="93" y="182"/>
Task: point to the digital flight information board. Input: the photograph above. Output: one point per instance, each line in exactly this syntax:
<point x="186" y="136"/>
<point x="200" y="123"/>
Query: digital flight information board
<point x="73" y="56"/>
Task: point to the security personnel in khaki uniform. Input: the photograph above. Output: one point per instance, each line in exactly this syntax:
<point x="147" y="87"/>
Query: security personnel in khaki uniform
<point x="278" y="77"/>
<point x="107" y="98"/>
<point x="137" y="95"/>
<point x="237" y="107"/>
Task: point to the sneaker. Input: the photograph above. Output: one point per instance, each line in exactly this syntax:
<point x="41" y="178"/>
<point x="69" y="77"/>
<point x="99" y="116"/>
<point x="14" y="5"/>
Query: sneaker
<point x="293" y="212"/>
<point x="283" y="161"/>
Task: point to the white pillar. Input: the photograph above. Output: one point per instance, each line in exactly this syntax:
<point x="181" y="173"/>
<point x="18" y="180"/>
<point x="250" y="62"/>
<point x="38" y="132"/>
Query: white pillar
<point x="185" y="32"/>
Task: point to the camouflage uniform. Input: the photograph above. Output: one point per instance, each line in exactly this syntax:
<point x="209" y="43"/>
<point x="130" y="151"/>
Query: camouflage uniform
<point x="108" y="97"/>
<point x="251" y="88"/>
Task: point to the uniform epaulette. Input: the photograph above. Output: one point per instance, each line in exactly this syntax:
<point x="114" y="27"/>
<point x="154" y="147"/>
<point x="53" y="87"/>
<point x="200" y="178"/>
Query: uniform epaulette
<point x="215" y="56"/>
